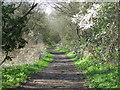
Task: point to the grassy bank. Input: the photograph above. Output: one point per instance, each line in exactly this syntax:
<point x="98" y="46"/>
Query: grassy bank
<point x="14" y="76"/>
<point x="99" y="75"/>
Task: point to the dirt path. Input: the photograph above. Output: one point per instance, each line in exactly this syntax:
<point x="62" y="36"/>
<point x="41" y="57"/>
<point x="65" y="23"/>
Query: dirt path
<point x="60" y="74"/>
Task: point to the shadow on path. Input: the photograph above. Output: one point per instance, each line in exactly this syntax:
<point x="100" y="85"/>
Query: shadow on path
<point x="61" y="73"/>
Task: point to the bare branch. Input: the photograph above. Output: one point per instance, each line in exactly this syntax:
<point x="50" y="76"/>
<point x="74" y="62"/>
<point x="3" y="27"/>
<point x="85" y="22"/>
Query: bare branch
<point x="33" y="6"/>
<point x="18" y="6"/>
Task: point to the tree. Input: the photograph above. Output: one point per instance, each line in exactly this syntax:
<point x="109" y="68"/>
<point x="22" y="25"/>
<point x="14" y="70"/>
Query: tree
<point x="13" y="28"/>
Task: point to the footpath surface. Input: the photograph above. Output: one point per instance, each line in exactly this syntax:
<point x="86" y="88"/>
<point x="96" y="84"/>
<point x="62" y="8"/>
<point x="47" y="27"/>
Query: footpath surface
<point x="61" y="73"/>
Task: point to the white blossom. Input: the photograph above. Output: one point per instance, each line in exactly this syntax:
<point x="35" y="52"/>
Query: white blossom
<point x="86" y="21"/>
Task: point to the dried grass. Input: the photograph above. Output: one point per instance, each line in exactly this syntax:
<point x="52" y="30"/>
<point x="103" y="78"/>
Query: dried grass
<point x="27" y="55"/>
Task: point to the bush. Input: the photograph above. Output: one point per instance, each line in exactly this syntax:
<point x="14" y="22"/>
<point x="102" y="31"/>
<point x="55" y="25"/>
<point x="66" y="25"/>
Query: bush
<point x="100" y="75"/>
<point x="84" y="63"/>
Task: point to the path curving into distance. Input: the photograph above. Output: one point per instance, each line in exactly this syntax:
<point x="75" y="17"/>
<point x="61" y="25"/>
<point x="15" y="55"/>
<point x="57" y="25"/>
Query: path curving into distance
<point x="61" y="73"/>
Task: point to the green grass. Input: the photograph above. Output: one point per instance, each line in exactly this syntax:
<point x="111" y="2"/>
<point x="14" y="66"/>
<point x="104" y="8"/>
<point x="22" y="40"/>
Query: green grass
<point x="99" y="75"/>
<point x="13" y="76"/>
<point x="49" y="55"/>
<point x="47" y="59"/>
<point x="73" y="56"/>
<point x="62" y="50"/>
<point x="103" y="75"/>
<point x="70" y="54"/>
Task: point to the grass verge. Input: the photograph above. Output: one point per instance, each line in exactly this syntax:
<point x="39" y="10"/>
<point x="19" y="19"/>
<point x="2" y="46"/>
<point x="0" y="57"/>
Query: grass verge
<point x="14" y="76"/>
<point x="99" y="75"/>
<point x="62" y="50"/>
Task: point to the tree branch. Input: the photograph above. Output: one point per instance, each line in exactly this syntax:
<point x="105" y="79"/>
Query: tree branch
<point x="4" y="58"/>
<point x="33" y="6"/>
<point x="18" y="6"/>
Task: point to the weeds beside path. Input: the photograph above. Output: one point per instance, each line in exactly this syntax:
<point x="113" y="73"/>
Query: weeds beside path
<point x="61" y="73"/>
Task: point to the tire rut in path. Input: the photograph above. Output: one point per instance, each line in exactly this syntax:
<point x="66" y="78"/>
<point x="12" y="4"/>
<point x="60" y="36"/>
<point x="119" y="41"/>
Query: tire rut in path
<point x="61" y="73"/>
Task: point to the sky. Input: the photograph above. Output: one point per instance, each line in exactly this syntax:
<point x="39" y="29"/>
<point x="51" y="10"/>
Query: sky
<point x="48" y="10"/>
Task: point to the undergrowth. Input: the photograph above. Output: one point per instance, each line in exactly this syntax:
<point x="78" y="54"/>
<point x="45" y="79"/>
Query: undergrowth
<point x="14" y="76"/>
<point x="99" y="75"/>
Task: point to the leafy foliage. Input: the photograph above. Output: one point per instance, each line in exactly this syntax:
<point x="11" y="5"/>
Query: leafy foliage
<point x="14" y="76"/>
<point x="100" y="76"/>
<point x="95" y="41"/>
<point x="13" y="28"/>
<point x="89" y="30"/>
<point x="12" y="33"/>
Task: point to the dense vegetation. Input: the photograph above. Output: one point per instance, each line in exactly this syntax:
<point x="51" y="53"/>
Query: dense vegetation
<point x="95" y="43"/>
<point x="13" y="28"/>
<point x="14" y="76"/>
<point x="88" y="30"/>
<point x="100" y="76"/>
